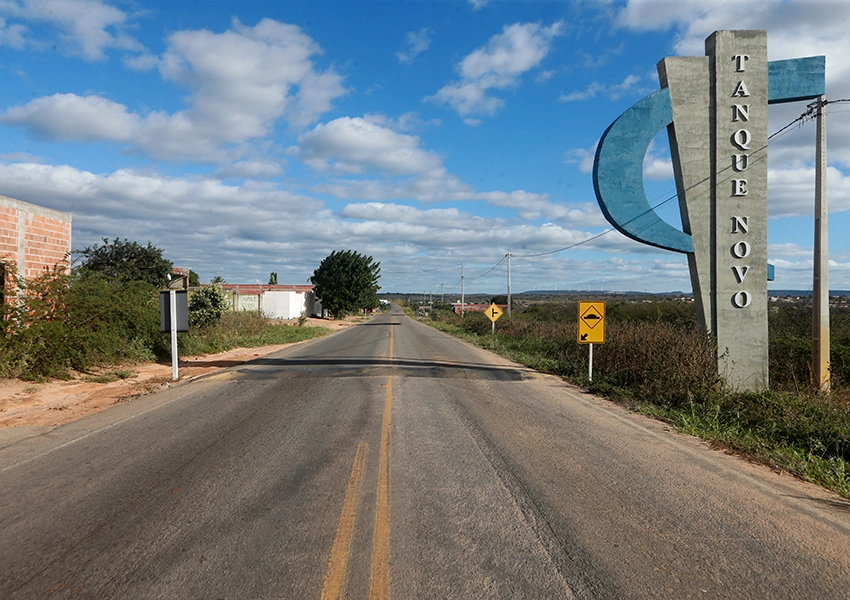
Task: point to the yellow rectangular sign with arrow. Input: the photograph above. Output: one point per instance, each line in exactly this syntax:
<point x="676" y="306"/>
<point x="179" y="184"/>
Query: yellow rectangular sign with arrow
<point x="591" y="322"/>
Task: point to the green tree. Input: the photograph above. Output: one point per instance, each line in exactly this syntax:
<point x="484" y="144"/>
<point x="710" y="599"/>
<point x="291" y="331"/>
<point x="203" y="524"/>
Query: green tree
<point x="207" y="305"/>
<point x="194" y="280"/>
<point x="124" y="261"/>
<point x="273" y="278"/>
<point x="346" y="282"/>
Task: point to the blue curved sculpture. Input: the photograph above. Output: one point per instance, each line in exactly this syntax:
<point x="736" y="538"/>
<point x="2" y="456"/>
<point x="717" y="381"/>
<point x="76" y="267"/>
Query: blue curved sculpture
<point x="618" y="174"/>
<point x="618" y="166"/>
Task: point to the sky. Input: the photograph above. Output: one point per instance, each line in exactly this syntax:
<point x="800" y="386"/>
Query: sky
<point x="244" y="138"/>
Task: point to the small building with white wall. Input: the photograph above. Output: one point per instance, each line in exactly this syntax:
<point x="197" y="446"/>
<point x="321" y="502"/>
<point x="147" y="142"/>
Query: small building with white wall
<point x="274" y="301"/>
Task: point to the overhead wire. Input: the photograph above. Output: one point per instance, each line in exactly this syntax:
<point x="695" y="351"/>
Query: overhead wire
<point x="806" y="115"/>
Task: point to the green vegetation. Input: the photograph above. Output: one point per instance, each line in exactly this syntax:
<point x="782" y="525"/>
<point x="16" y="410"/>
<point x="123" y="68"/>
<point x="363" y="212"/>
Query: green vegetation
<point x="123" y="261"/>
<point x="347" y="282"/>
<point x="89" y="321"/>
<point x="207" y="305"/>
<point x="657" y="361"/>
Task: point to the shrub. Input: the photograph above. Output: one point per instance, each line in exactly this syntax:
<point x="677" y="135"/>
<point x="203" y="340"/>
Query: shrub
<point x="207" y="306"/>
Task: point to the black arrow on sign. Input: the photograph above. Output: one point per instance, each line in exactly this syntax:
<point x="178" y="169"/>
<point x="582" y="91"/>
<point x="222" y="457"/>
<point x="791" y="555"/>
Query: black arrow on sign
<point x="583" y="336"/>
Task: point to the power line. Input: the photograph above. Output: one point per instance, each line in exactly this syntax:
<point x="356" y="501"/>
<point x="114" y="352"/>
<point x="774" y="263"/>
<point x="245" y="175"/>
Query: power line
<point x="811" y="110"/>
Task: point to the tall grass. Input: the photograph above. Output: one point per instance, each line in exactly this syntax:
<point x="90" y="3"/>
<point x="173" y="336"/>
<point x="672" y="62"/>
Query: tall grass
<point x="657" y="360"/>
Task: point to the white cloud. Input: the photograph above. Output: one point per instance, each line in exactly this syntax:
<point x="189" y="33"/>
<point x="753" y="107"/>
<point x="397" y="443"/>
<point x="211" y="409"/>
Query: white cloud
<point x="70" y="117"/>
<point x="583" y="157"/>
<point x="88" y="27"/>
<point x="418" y="42"/>
<point x="792" y="191"/>
<point x="630" y="85"/>
<point x="355" y="145"/>
<point x="244" y="81"/>
<point x="655" y="167"/>
<point x="796" y="28"/>
<point x="498" y="65"/>
<point x="12" y="36"/>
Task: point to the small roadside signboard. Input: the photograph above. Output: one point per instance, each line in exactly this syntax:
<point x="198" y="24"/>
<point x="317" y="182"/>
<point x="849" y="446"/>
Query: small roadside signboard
<point x="591" y="322"/>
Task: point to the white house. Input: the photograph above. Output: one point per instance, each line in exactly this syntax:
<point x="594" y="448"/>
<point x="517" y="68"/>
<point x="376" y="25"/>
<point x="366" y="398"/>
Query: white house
<point x="274" y="301"/>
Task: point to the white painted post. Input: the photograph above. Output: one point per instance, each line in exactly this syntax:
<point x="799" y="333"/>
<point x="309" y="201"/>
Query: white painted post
<point x="172" y="296"/>
<point x="590" y="364"/>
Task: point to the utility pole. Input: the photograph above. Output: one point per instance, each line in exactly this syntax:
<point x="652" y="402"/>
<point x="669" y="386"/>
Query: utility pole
<point x="462" y="297"/>
<point x="509" y="285"/>
<point x="820" y="283"/>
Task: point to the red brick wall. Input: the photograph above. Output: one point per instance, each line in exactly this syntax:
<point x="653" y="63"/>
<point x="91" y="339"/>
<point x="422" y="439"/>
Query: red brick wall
<point x="33" y="238"/>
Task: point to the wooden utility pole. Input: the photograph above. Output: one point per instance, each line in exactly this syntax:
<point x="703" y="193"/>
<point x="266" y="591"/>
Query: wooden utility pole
<point x="820" y="283"/>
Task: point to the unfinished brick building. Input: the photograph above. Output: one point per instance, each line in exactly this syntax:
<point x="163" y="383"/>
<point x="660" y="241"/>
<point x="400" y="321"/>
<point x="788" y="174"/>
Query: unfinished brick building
<point x="32" y="238"/>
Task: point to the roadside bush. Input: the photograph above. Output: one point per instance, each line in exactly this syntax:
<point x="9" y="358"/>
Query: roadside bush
<point x="60" y="322"/>
<point x="207" y="306"/>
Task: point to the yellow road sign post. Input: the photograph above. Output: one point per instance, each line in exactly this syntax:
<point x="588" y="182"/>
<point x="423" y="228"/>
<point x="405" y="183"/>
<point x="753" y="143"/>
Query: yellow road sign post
<point x="493" y="313"/>
<point x="591" y="328"/>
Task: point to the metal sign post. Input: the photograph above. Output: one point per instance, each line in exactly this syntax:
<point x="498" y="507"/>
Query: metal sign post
<point x="172" y="297"/>
<point x="173" y="318"/>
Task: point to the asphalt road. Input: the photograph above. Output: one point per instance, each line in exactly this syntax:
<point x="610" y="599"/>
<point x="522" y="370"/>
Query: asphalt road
<point x="391" y="461"/>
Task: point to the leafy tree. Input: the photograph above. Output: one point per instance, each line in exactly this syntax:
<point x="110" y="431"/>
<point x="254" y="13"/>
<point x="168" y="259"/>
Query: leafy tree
<point x="194" y="280"/>
<point x="124" y="261"/>
<point x="207" y="305"/>
<point x="346" y="282"/>
<point x="218" y="279"/>
<point x="273" y="278"/>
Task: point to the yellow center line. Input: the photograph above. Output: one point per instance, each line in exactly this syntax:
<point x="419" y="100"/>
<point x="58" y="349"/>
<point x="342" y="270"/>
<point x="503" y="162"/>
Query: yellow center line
<point x="338" y="561"/>
<point x="379" y="580"/>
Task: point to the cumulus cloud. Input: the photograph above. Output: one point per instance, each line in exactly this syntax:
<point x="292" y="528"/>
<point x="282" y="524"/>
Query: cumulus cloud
<point x="355" y="145"/>
<point x="417" y="43"/>
<point x="87" y="27"/>
<point x="243" y="82"/>
<point x="498" y="65"/>
<point x="69" y="117"/>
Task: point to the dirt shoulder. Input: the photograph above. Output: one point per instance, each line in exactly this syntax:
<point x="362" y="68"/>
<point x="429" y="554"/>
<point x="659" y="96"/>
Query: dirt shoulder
<point x="24" y="403"/>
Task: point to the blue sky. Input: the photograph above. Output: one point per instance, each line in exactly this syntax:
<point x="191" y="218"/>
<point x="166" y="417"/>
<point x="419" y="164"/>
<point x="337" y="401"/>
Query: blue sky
<point x="246" y="138"/>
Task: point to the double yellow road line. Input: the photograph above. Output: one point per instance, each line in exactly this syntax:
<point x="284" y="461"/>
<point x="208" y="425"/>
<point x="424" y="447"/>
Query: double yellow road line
<point x="379" y="577"/>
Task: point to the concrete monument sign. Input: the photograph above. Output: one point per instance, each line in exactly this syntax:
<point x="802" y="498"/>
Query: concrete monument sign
<point x="715" y="110"/>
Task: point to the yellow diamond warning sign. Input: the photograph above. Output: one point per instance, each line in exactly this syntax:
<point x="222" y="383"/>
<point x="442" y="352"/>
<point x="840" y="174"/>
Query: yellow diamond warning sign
<point x="591" y="322"/>
<point x="493" y="313"/>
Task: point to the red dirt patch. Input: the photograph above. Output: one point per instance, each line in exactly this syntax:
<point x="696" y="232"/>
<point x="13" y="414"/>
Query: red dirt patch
<point x="57" y="402"/>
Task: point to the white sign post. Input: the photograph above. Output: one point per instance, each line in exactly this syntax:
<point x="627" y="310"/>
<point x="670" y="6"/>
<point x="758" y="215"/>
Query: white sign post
<point x="172" y="297"/>
<point x="173" y="318"/>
